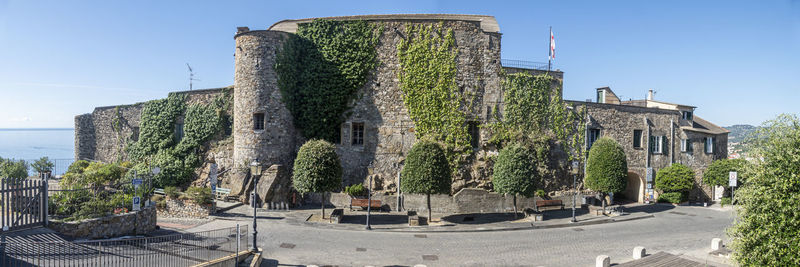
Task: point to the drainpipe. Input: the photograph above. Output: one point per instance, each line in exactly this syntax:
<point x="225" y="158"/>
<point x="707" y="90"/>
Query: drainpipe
<point x="647" y="155"/>
<point x="671" y="141"/>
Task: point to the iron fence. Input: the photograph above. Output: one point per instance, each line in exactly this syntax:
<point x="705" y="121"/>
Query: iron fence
<point x="185" y="249"/>
<point x="60" y="167"/>
<point x="522" y="64"/>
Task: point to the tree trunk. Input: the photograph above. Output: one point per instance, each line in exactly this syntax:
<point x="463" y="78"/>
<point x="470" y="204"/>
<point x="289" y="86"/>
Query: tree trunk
<point x="428" y="198"/>
<point x="603" y="201"/>
<point x="515" y="206"/>
<point x="322" y="200"/>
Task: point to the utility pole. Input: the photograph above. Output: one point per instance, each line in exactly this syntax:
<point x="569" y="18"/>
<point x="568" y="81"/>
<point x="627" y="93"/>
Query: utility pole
<point x="191" y="76"/>
<point x="369" y="201"/>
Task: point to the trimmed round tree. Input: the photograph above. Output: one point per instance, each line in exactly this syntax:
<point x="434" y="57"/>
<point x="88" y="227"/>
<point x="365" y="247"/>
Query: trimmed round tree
<point x="718" y="172"/>
<point x="317" y="169"/>
<point x="515" y="173"/>
<point x="426" y="171"/>
<point x="606" y="168"/>
<point x="676" y="178"/>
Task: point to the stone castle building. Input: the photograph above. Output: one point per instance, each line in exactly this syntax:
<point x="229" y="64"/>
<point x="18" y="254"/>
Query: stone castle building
<point x="378" y="133"/>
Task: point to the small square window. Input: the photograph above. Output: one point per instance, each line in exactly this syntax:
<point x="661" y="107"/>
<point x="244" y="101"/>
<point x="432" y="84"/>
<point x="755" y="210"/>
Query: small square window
<point x="357" y="134"/>
<point x="178" y="132"/>
<point x="686" y="115"/>
<point x="258" y="121"/>
<point x="637" y="138"/>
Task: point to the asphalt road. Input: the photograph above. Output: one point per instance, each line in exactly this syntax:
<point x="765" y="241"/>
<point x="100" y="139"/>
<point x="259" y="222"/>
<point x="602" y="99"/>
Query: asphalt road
<point x="680" y="230"/>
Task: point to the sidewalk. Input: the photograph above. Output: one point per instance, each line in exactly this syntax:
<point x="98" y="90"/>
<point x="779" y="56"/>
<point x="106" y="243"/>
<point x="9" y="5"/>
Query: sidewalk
<point x="398" y="221"/>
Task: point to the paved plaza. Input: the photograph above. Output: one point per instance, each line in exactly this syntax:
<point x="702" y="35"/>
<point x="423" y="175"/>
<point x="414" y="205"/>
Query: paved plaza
<point x="682" y="230"/>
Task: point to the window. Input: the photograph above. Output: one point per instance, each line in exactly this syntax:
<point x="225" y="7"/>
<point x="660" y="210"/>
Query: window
<point x="258" y="121"/>
<point x="601" y="96"/>
<point x="657" y="144"/>
<point x="637" y="138"/>
<point x="178" y="132"/>
<point x="357" y="134"/>
<point x="474" y="134"/>
<point x="709" y="144"/>
<point x="686" y="145"/>
<point x="135" y="134"/>
<point x="593" y="135"/>
<point x="686" y="115"/>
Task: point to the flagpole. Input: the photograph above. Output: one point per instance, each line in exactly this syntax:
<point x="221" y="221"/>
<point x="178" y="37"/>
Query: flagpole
<point x="549" y="49"/>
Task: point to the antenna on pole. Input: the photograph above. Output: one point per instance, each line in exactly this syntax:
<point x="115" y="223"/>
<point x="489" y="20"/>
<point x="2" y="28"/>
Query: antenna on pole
<point x="191" y="76"/>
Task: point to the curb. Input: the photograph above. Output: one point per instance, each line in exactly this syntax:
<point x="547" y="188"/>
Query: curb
<point x="531" y="227"/>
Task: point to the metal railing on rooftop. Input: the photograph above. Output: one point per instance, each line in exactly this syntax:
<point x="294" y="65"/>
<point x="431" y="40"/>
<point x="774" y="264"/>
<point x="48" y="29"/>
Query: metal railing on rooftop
<point x="524" y="64"/>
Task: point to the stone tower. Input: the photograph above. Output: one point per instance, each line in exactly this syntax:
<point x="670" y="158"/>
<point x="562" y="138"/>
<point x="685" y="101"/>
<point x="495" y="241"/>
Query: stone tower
<point x="262" y="126"/>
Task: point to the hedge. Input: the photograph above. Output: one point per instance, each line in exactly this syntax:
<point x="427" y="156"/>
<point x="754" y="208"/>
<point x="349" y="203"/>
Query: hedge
<point x="675" y="178"/>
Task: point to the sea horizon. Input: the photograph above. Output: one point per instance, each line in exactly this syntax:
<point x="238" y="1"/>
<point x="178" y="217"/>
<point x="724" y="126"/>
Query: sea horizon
<point x="37" y="129"/>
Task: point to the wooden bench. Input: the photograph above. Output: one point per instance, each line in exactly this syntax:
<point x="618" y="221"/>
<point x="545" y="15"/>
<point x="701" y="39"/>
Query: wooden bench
<point x="363" y="202"/>
<point x="549" y="203"/>
<point x="336" y="216"/>
<point x="222" y="193"/>
<point x="159" y="191"/>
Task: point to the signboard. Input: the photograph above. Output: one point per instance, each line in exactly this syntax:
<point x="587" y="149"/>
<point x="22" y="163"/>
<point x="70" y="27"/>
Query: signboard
<point x="649" y="174"/>
<point x="649" y="186"/>
<point x="575" y="165"/>
<point x="212" y="177"/>
<point x="137" y="203"/>
<point x="732" y="179"/>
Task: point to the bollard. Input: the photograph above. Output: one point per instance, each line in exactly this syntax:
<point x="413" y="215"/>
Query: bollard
<point x="639" y="252"/>
<point x="602" y="261"/>
<point x="716" y="243"/>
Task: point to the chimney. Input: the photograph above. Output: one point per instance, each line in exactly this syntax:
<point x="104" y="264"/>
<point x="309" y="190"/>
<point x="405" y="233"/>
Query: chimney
<point x="650" y="94"/>
<point x="242" y="29"/>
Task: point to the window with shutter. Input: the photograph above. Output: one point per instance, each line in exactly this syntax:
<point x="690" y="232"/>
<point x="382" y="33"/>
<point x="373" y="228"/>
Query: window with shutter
<point x="709" y="145"/>
<point x="657" y="144"/>
<point x="664" y="144"/>
<point x="637" y="138"/>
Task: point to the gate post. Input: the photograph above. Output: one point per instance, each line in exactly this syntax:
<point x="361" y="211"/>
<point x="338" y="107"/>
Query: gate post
<point x="45" y="202"/>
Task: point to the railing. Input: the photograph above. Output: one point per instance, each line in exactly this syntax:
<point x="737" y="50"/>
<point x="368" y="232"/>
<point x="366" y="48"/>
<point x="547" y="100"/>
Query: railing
<point x="60" y="166"/>
<point x="170" y="250"/>
<point x="522" y="64"/>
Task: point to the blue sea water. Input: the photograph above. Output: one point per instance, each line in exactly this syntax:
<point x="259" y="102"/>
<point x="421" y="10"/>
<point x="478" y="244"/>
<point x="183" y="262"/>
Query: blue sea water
<point x="29" y="144"/>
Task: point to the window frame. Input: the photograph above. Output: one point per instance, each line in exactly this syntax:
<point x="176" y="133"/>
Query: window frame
<point x="356" y="136"/>
<point x="637" y="142"/>
<point x="259" y="122"/>
<point x="178" y="132"/>
<point x="592" y="140"/>
<point x="474" y="131"/>
<point x="657" y="144"/>
<point x="709" y="145"/>
<point x="687" y="115"/>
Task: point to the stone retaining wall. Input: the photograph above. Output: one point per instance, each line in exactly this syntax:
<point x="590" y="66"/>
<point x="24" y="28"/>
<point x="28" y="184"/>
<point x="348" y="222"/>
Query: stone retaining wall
<point x="468" y="200"/>
<point x="179" y="208"/>
<point x="131" y="223"/>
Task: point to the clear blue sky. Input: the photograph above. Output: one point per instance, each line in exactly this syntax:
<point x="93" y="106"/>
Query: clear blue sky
<point x="738" y="62"/>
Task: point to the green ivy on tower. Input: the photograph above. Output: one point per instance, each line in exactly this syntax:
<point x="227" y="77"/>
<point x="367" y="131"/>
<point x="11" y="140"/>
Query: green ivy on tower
<point x="430" y="93"/>
<point x="321" y="68"/>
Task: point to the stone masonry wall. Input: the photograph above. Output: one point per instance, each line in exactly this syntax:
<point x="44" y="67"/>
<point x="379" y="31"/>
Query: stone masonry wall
<point x="131" y="223"/>
<point x="186" y="208"/>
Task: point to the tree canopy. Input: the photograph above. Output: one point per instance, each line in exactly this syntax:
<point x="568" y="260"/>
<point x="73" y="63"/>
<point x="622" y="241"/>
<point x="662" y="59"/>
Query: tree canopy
<point x="426" y="170"/>
<point x="515" y="171"/>
<point x="606" y="167"/>
<point x="718" y="172"/>
<point x="766" y="230"/>
<point x="317" y="168"/>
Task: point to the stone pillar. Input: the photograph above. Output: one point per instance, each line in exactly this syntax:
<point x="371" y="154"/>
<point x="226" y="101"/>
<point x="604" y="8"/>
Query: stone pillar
<point x="716" y="243"/>
<point x="639" y="252"/>
<point x="602" y="261"/>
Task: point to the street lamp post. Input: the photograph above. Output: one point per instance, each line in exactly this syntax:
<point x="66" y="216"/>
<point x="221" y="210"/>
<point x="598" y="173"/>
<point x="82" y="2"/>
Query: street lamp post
<point x="369" y="201"/>
<point x="574" y="187"/>
<point x="255" y="171"/>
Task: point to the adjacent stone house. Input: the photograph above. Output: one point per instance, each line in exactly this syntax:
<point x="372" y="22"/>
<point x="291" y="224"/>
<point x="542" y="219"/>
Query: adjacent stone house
<point x="654" y="135"/>
<point x="378" y="131"/>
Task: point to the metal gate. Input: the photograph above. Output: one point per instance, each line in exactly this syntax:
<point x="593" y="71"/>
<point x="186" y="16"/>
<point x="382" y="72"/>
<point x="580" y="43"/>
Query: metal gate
<point x="24" y="203"/>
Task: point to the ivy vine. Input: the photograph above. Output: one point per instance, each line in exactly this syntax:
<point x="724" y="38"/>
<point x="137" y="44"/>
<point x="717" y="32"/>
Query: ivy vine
<point x="533" y="111"/>
<point x="430" y="93"/>
<point x="158" y="145"/>
<point x="321" y="68"/>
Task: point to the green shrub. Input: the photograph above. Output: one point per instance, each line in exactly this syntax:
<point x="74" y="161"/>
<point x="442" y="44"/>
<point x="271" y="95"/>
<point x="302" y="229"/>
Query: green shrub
<point x="724" y="201"/>
<point x="97" y="207"/>
<point x="43" y="165"/>
<point x="77" y="167"/>
<point x="671" y="197"/>
<point x="541" y="193"/>
<point x="172" y="192"/>
<point x="606" y="167"/>
<point x="675" y="178"/>
<point x="426" y="171"/>
<point x="173" y="170"/>
<point x="356" y="190"/>
<point x="317" y="168"/>
<point x="200" y="195"/>
<point x="16" y="169"/>
<point x="718" y="172"/>
<point x="66" y="203"/>
<point x="515" y="171"/>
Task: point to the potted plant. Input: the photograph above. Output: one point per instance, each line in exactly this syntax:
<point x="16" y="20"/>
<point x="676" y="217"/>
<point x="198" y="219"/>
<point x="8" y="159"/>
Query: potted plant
<point x="44" y="167"/>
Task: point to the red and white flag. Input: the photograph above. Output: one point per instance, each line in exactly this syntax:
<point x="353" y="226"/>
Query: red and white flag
<point x="552" y="46"/>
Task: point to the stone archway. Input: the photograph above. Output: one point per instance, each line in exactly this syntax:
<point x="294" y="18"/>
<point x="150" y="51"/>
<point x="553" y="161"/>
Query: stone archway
<point x="635" y="189"/>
